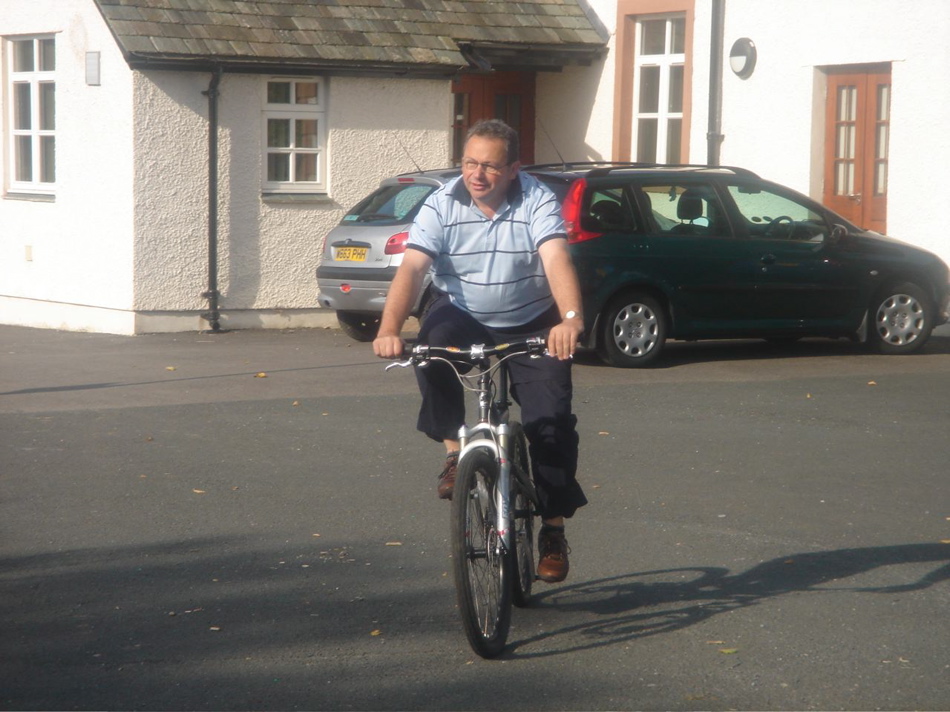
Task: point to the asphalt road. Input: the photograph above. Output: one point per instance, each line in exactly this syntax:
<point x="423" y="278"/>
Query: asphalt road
<point x="248" y="521"/>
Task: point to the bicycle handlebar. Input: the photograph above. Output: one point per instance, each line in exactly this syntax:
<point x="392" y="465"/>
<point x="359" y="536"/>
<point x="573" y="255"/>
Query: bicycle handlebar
<point x="422" y="353"/>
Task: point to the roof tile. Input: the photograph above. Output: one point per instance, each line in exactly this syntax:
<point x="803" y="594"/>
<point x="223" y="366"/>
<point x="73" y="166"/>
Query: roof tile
<point x="400" y="32"/>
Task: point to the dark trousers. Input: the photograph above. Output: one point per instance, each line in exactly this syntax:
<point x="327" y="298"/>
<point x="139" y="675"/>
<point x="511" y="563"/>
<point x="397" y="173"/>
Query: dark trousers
<point x="542" y="387"/>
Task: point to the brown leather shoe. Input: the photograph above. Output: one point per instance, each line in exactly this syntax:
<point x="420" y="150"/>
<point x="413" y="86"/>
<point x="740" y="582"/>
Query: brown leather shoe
<point x="552" y="555"/>
<point x="447" y="478"/>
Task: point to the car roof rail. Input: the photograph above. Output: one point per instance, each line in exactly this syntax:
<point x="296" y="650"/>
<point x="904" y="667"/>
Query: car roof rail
<point x="603" y="168"/>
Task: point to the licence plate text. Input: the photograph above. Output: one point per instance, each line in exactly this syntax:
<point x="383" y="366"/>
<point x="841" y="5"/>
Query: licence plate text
<point x="350" y="254"/>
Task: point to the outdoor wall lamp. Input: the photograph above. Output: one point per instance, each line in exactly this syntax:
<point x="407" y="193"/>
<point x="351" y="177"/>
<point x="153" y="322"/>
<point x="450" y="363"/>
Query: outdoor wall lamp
<point x="742" y="57"/>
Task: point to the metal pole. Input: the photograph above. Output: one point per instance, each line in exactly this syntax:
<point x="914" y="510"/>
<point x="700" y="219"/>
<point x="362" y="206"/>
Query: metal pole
<point x="714" y="136"/>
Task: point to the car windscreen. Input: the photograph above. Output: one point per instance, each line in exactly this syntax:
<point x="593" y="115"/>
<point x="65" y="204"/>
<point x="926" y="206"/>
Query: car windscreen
<point x="390" y="204"/>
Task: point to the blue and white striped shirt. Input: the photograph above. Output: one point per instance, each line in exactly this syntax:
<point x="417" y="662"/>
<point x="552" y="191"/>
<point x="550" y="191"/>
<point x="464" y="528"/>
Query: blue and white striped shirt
<point x="490" y="267"/>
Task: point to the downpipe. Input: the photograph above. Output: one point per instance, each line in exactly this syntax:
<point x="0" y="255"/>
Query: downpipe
<point x="213" y="315"/>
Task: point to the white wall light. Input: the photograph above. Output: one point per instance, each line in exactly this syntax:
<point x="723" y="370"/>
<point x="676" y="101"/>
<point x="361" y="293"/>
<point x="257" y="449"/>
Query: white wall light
<point x="742" y="57"/>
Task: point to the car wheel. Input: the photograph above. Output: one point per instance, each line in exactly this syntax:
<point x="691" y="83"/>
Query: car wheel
<point x="362" y="327"/>
<point x="901" y="319"/>
<point x="634" y="331"/>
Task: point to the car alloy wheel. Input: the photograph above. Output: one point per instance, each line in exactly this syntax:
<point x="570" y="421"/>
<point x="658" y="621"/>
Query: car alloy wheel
<point x="634" y="331"/>
<point x="903" y="320"/>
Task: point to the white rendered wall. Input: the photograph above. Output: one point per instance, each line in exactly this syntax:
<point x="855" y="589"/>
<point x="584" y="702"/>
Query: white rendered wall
<point x="67" y="263"/>
<point x="772" y="120"/>
<point x="269" y="248"/>
<point x="575" y="107"/>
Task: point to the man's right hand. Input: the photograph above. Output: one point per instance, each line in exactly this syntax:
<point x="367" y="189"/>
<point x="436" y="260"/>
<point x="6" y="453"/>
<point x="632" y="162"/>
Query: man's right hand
<point x="389" y="347"/>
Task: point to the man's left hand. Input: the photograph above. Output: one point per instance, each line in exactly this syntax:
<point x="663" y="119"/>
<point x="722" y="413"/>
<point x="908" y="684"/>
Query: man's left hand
<point x="563" y="338"/>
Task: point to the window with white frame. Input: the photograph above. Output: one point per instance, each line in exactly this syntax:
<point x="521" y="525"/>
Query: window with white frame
<point x="295" y="113"/>
<point x="659" y="69"/>
<point x="31" y="88"/>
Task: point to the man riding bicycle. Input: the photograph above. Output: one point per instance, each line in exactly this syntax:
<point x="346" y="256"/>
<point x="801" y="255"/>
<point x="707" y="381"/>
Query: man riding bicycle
<point x="503" y="272"/>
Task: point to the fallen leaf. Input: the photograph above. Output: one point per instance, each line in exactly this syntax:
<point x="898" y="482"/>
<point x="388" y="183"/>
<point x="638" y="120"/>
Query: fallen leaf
<point x="260" y="375"/>
<point x="169" y="368"/>
<point x="316" y="535"/>
<point x="715" y="642"/>
<point x="595" y="486"/>
<point x="603" y="432"/>
<point x="215" y="628"/>
<point x="945" y="541"/>
<point x="198" y="491"/>
<point x="808" y="395"/>
<point x="295" y="403"/>
<point x="729" y="651"/>
<point x="393" y="543"/>
<point x="872" y="383"/>
<point x="376" y="633"/>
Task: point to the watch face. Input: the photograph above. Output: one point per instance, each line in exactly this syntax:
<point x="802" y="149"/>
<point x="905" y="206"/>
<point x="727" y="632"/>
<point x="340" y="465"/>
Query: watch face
<point x="570" y="315"/>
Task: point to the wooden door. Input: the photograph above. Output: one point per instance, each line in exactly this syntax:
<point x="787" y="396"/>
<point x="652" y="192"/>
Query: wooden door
<point x="508" y="96"/>
<point x="856" y="144"/>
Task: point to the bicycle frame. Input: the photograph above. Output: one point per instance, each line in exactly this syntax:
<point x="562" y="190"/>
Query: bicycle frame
<point x="493" y="413"/>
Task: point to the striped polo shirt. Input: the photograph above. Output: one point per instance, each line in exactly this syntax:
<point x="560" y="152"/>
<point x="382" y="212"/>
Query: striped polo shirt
<point x="490" y="267"/>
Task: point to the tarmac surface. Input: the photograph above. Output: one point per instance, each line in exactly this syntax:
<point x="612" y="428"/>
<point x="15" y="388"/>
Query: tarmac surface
<point x="248" y="520"/>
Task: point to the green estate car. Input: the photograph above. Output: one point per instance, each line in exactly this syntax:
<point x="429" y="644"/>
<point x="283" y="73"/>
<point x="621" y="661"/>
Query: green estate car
<point x="676" y="252"/>
<point x="695" y="252"/>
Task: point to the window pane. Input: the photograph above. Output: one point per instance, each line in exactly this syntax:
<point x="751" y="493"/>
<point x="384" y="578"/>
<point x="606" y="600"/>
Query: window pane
<point x="679" y="36"/>
<point x="675" y="102"/>
<point x="22" y="113"/>
<point x="47" y="159"/>
<point x="24" y="158"/>
<point x="23" y="56"/>
<point x="653" y="37"/>
<point x="278" y="167"/>
<point x="47" y="106"/>
<point x="306" y="133"/>
<point x="674" y="131"/>
<point x="307" y="93"/>
<point x="880" y="178"/>
<point x="844" y="146"/>
<point x="649" y="89"/>
<point x="646" y="140"/>
<point x="47" y="55"/>
<point x="883" y="102"/>
<point x="305" y="167"/>
<point x="278" y="92"/>
<point x="278" y="133"/>
<point x="847" y="103"/>
<point x="844" y="178"/>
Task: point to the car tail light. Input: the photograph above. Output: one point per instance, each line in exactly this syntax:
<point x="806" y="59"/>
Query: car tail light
<point x="571" y="210"/>
<point x="396" y="244"/>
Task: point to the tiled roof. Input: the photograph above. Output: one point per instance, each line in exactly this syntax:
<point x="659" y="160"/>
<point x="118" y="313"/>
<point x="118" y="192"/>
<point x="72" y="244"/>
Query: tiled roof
<point x="432" y="35"/>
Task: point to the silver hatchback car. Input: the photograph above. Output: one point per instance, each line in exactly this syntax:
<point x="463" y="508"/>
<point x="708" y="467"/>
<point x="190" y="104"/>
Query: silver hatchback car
<point x="361" y="254"/>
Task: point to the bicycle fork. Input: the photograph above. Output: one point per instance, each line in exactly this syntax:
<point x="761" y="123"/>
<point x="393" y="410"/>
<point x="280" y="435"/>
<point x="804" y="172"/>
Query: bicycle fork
<point x="497" y="441"/>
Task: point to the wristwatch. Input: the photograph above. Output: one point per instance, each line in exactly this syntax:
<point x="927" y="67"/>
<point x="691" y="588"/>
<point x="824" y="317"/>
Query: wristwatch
<point x="571" y="314"/>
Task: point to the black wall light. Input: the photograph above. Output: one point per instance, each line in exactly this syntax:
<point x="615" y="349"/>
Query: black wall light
<point x="742" y="57"/>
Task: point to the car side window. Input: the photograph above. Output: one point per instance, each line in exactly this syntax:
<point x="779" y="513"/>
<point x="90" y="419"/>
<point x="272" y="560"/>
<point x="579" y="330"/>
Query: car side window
<point x="686" y="210"/>
<point x="770" y="215"/>
<point x="609" y="210"/>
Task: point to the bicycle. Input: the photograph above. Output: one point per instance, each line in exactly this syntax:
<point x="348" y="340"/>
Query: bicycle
<point x="494" y="501"/>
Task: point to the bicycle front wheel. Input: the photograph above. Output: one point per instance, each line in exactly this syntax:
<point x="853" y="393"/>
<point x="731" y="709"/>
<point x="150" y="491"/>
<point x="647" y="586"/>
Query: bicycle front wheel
<point x="479" y="563"/>
<point x="522" y="518"/>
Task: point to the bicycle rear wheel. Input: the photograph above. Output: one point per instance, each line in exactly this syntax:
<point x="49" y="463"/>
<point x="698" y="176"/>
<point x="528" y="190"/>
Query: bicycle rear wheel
<point x="522" y="518"/>
<point x="480" y="566"/>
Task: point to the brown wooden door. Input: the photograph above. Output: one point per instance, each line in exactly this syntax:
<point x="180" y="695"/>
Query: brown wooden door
<point x="856" y="144"/>
<point x="508" y="96"/>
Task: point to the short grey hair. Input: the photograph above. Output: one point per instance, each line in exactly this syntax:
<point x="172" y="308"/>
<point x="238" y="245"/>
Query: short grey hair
<point x="496" y="128"/>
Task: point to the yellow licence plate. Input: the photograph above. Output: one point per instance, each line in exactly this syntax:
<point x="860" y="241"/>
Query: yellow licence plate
<point x="350" y="254"/>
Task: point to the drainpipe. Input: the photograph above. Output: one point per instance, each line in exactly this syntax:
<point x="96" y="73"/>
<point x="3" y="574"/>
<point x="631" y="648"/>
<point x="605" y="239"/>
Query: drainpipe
<point x="714" y="136"/>
<point x="213" y="315"/>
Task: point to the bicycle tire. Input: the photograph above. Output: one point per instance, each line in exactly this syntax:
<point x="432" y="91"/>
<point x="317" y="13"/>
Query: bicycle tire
<point x="522" y="519"/>
<point x="481" y="570"/>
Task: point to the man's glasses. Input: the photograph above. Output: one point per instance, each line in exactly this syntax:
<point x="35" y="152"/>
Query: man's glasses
<point x="470" y="164"/>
